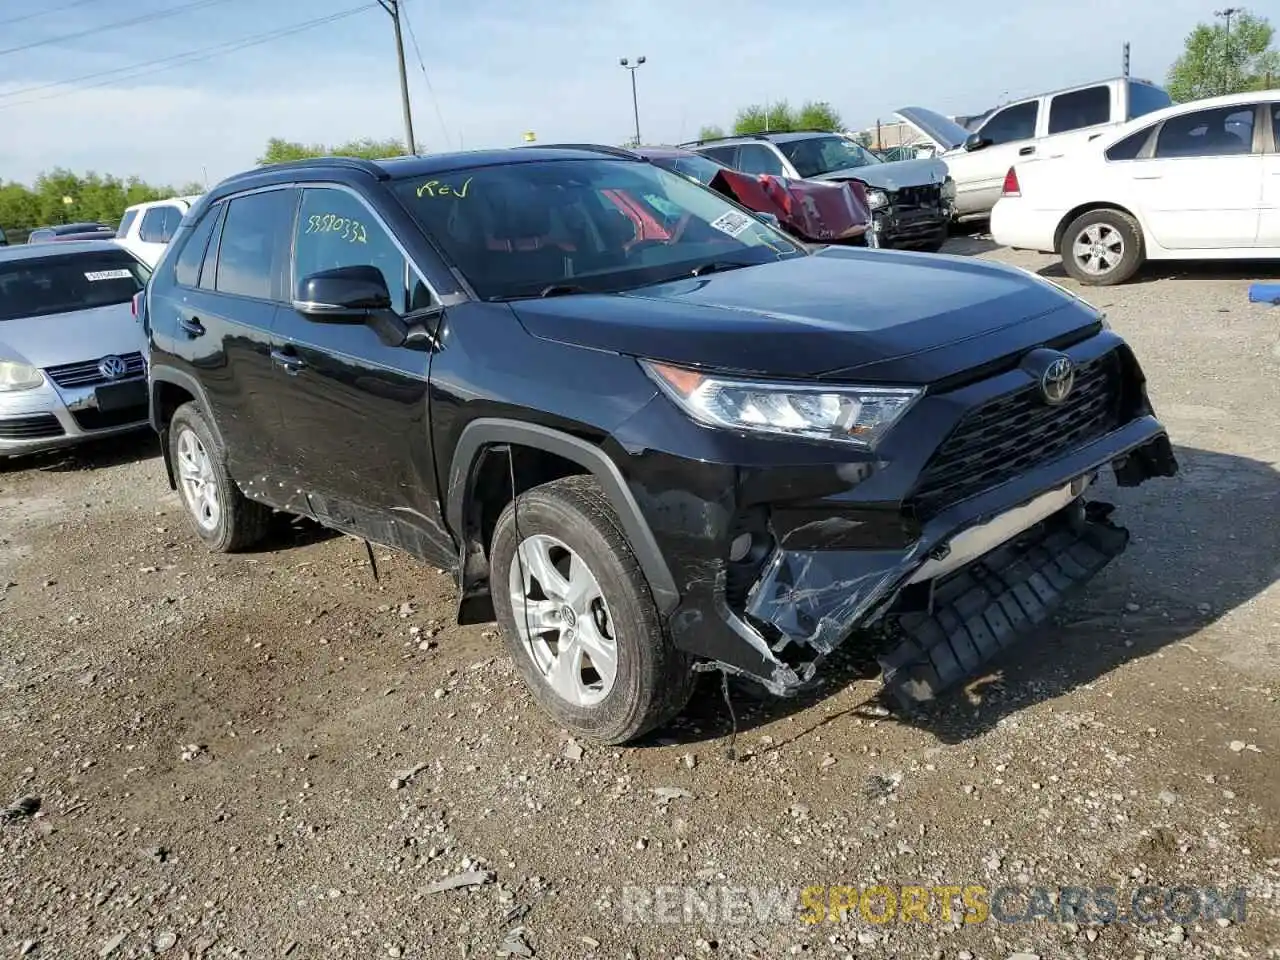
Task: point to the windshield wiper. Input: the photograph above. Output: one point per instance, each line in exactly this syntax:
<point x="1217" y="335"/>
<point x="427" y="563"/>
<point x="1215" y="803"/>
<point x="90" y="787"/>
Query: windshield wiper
<point x="716" y="266"/>
<point x="561" y="289"/>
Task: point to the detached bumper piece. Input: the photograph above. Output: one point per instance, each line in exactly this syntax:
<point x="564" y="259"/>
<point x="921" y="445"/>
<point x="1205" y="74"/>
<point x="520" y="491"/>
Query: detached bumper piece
<point x="992" y="604"/>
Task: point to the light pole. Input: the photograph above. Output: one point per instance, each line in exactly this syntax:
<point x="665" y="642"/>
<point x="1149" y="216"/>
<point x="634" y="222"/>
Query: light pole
<point x="1226" y="14"/>
<point x="631" y="68"/>
<point x="393" y="10"/>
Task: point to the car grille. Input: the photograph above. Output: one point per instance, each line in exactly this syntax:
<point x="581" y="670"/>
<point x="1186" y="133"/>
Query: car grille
<point x="30" y="428"/>
<point x="87" y="374"/>
<point x="910" y="198"/>
<point x="1016" y="432"/>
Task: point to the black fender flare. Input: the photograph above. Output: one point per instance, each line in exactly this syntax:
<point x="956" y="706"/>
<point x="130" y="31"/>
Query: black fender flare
<point x="179" y="378"/>
<point x="489" y="431"/>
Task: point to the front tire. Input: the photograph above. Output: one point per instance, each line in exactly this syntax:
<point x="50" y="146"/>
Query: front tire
<point x="223" y="517"/>
<point x="578" y="617"/>
<point x="1102" y="247"/>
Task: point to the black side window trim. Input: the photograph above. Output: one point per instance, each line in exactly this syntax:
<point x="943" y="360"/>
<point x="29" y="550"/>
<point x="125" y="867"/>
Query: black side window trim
<point x="212" y="246"/>
<point x="214" y="211"/>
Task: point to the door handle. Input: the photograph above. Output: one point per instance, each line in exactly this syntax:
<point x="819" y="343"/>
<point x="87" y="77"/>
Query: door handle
<point x="1147" y="176"/>
<point x="192" y="326"/>
<point x="1026" y="151"/>
<point x="287" y="361"/>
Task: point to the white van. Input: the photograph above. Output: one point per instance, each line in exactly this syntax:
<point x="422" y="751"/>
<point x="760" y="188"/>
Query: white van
<point x="1033" y="128"/>
<point x="146" y="228"/>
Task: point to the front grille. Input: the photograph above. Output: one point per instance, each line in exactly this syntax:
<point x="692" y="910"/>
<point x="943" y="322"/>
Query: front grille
<point x="91" y="418"/>
<point x="910" y="198"/>
<point x="30" y="428"/>
<point x="1015" y="432"/>
<point x="87" y="374"/>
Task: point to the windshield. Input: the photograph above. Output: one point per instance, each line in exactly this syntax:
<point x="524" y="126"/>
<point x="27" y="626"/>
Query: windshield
<point x="569" y="226"/>
<point x="40" y="286"/>
<point x="814" y="156"/>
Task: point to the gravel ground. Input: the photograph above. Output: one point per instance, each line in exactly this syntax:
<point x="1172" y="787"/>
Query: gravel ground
<point x="274" y="755"/>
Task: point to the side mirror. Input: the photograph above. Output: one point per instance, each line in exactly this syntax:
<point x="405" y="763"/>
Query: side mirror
<point x="976" y="141"/>
<point x="342" y="295"/>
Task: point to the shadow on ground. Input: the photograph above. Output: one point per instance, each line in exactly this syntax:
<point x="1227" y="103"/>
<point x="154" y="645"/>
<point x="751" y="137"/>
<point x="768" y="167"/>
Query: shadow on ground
<point x="1156" y="270"/>
<point x="91" y="455"/>
<point x="1206" y="542"/>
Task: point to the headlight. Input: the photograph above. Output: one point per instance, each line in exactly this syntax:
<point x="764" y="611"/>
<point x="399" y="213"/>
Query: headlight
<point x="18" y="376"/>
<point x="948" y="189"/>
<point x="847" y="414"/>
<point x="877" y="199"/>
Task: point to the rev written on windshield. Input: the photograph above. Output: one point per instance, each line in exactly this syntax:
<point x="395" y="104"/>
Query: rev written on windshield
<point x="519" y="229"/>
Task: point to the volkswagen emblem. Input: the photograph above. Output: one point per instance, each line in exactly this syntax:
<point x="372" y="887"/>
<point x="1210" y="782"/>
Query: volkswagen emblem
<point x="112" y="368"/>
<point x="1054" y="371"/>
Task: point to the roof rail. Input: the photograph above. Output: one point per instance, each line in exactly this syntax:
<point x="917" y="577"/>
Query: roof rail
<point x="589" y="147"/>
<point x="731" y="136"/>
<point x="344" y="163"/>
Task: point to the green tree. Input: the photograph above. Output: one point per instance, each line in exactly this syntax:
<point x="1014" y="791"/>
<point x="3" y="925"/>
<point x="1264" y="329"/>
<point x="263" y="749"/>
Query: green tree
<point x="92" y="196"/>
<point x="765" y="118"/>
<point x="711" y="132"/>
<point x="819" y="115"/>
<point x="1215" y="61"/>
<point x="282" y="151"/>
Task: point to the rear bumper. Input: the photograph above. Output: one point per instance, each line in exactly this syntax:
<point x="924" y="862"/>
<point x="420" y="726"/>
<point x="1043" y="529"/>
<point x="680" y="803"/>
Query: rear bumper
<point x="1015" y="224"/>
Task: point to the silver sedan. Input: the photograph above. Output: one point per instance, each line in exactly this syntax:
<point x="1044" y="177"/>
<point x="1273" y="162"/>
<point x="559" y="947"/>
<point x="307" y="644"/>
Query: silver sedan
<point x="72" y="366"/>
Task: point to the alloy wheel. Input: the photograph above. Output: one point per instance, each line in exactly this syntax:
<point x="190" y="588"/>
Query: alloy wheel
<point x="198" y="481"/>
<point x="1098" y="249"/>
<point x="562" y="620"/>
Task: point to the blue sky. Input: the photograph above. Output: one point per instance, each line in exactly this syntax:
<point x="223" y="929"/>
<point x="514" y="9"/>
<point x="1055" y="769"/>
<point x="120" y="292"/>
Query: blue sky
<point x="500" y="68"/>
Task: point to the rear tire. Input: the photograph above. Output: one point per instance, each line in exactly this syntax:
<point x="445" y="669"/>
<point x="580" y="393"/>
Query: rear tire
<point x="1102" y="247"/>
<point x="589" y="641"/>
<point x="223" y="517"/>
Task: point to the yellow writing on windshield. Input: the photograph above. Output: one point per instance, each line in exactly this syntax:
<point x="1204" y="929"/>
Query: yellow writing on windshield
<point x="353" y="231"/>
<point x="434" y="188"/>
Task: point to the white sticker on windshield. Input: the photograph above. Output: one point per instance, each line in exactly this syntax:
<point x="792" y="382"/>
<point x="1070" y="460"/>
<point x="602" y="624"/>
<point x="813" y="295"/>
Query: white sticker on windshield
<point x="108" y="275"/>
<point x="732" y="222"/>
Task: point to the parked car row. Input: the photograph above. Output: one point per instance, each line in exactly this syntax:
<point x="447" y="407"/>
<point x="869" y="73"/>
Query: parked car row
<point x="646" y="430"/>
<point x="1199" y="181"/>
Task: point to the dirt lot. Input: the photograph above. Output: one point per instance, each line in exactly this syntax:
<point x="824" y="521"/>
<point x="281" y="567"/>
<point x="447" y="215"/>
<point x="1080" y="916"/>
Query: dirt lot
<point x="273" y="755"/>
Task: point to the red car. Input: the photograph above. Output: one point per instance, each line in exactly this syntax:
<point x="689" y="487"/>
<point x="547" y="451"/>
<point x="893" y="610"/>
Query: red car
<point x="813" y="211"/>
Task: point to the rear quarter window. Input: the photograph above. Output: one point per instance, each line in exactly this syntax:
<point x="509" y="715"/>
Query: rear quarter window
<point x="1130" y="146"/>
<point x="125" y="223"/>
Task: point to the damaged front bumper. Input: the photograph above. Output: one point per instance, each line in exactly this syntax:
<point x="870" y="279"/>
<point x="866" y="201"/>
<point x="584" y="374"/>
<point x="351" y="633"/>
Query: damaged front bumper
<point x="979" y="578"/>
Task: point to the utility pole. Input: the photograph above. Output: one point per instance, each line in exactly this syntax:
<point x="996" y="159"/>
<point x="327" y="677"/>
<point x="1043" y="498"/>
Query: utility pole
<point x="1227" y="14"/>
<point x="393" y="10"/>
<point x="1125" y="68"/>
<point x="635" y="102"/>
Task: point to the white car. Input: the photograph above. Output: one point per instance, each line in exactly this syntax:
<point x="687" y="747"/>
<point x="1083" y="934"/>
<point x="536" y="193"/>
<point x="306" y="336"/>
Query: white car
<point x="146" y="228"/>
<point x="1199" y="181"/>
<point x="1046" y="125"/>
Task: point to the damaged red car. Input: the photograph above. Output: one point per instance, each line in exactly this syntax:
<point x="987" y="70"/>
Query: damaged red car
<point x="812" y="211"/>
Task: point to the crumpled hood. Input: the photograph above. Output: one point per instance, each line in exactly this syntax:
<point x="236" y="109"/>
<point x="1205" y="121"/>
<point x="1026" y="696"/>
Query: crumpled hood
<point x="920" y="172"/>
<point x="71" y="337"/>
<point x="877" y="314"/>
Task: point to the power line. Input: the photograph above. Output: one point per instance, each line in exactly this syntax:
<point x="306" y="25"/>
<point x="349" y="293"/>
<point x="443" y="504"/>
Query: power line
<point x="115" y="25"/>
<point x="41" y="13"/>
<point x="435" y="102"/>
<point x="194" y="56"/>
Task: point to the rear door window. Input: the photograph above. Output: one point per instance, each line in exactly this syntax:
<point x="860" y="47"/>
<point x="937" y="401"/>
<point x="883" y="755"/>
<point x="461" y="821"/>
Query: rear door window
<point x="757" y="158"/>
<point x="253" y="255"/>
<point x="1080" y="108"/>
<point x="1017" y="122"/>
<point x="724" y="154"/>
<point x="66" y="283"/>
<point x="1221" y="132"/>
<point x="159" y="224"/>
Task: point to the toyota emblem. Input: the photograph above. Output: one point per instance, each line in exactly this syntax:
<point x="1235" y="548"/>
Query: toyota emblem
<point x="1057" y="380"/>
<point x="113" y="368"/>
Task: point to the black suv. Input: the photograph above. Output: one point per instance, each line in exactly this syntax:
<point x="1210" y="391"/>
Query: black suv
<point x="645" y="429"/>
